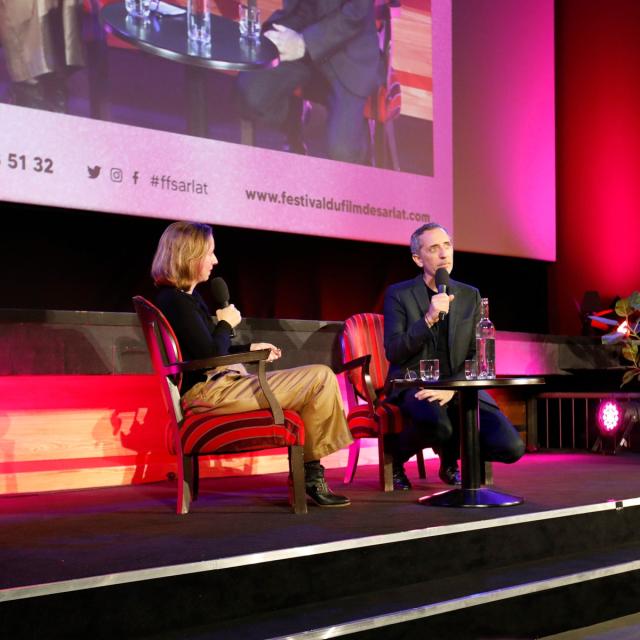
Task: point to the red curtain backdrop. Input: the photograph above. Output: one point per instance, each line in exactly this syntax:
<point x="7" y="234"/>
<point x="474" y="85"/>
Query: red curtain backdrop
<point x="598" y="155"/>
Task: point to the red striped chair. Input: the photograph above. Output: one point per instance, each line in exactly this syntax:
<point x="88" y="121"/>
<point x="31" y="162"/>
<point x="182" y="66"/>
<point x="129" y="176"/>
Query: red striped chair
<point x="367" y="367"/>
<point x="197" y="434"/>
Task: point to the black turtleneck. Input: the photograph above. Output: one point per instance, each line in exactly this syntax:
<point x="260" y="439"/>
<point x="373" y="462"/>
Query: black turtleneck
<point x="198" y="336"/>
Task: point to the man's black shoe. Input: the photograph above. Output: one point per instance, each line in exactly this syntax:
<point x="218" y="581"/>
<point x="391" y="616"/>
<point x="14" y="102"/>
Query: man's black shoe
<point x="449" y="474"/>
<point x="400" y="480"/>
<point x="299" y="112"/>
<point x="317" y="488"/>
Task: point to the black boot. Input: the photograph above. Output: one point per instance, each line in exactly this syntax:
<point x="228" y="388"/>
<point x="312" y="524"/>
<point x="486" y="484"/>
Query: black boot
<point x="317" y="488"/>
<point x="400" y="480"/>
<point x="55" y="91"/>
<point x="449" y="472"/>
<point x="28" y="94"/>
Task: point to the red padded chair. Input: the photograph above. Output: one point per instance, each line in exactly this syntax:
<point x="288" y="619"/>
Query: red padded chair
<point x="198" y="434"/>
<point x="367" y="367"/>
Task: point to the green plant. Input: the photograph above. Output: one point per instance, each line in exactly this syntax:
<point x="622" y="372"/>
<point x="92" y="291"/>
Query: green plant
<point x="627" y="334"/>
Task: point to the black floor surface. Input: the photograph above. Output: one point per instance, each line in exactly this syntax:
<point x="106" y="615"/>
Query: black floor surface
<point x="57" y="536"/>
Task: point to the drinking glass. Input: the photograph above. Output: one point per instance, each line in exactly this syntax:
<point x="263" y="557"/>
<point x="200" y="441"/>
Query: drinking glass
<point x="470" y="369"/>
<point x="249" y="21"/>
<point x="139" y="8"/>
<point x="429" y="370"/>
<point x="199" y="20"/>
<point x="410" y="375"/>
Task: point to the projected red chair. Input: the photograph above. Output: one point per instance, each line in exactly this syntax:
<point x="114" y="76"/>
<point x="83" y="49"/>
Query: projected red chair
<point x="367" y="367"/>
<point x="198" y="434"/>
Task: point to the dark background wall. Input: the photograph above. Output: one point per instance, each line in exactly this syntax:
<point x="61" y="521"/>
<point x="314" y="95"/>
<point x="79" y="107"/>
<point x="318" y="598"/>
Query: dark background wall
<point x="58" y="259"/>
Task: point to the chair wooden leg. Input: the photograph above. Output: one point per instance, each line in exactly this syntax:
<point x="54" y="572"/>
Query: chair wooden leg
<point x="247" y="132"/>
<point x="379" y="150"/>
<point x="385" y="466"/>
<point x="487" y="474"/>
<point x="422" y="472"/>
<point x="185" y="480"/>
<point x="296" y="471"/>
<point x="391" y="147"/>
<point x="352" y="462"/>
<point x="195" y="475"/>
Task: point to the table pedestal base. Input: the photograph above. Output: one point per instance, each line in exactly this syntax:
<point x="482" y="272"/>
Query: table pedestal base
<point x="471" y="498"/>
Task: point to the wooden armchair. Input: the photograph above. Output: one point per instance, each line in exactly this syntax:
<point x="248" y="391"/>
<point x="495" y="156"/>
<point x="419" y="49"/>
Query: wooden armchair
<point x="367" y="367"/>
<point x="206" y="433"/>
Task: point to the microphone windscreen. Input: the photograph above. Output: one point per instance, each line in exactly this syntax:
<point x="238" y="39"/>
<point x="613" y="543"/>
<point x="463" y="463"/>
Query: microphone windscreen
<point x="442" y="278"/>
<point x="220" y="293"/>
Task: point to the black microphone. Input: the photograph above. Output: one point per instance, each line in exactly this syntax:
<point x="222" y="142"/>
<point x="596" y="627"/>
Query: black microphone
<point x="442" y="282"/>
<point x="220" y="294"/>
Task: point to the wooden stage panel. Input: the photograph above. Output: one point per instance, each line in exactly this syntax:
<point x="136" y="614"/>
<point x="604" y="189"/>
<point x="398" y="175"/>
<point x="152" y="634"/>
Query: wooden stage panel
<point x="75" y="432"/>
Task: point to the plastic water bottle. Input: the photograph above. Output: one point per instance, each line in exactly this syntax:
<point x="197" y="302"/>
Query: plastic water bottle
<point x="485" y="343"/>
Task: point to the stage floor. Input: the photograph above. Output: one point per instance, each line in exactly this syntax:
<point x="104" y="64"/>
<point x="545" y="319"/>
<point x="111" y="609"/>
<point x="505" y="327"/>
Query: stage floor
<point x="71" y="535"/>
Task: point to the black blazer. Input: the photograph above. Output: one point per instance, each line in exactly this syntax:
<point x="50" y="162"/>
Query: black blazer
<point x="408" y="339"/>
<point x="340" y="37"/>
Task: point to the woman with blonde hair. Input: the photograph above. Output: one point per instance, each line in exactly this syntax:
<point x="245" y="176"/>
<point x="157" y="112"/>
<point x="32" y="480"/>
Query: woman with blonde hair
<point x="184" y="258"/>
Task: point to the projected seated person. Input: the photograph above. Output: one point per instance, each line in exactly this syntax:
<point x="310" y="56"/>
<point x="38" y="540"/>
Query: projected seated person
<point x="330" y="48"/>
<point x="184" y="258"/>
<point x="414" y="331"/>
<point x="42" y="44"/>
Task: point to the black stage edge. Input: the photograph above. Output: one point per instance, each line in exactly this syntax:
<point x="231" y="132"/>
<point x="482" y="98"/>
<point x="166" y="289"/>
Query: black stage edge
<point x="119" y="563"/>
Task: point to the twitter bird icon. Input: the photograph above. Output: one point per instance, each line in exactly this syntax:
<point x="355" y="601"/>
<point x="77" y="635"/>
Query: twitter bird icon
<point x="94" y="172"/>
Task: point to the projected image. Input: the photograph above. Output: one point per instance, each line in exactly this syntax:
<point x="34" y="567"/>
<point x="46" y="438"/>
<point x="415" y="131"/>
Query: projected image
<point x="360" y="94"/>
<point x="330" y="134"/>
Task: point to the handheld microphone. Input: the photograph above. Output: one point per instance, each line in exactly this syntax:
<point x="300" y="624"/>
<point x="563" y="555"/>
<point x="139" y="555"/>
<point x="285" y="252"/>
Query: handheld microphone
<point x="220" y="294"/>
<point x="442" y="282"/>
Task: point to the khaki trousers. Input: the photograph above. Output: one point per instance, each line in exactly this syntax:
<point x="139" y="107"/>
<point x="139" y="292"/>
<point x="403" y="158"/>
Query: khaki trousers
<point x="312" y="391"/>
<point x="34" y="43"/>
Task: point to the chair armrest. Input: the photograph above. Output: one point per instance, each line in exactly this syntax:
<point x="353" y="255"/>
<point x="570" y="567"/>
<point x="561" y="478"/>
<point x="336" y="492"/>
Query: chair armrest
<point x="260" y="356"/>
<point x="363" y="363"/>
<point x="217" y="361"/>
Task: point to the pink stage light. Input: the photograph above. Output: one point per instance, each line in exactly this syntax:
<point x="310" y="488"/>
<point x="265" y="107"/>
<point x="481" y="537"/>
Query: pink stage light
<point x="609" y="417"/>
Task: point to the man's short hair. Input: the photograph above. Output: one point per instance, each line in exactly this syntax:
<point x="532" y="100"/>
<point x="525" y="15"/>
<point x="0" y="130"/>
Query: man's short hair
<point x="415" y="236"/>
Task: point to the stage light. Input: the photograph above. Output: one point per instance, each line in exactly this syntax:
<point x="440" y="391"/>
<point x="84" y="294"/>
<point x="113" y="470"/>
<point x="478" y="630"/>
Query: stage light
<point x="615" y="423"/>
<point x="609" y="417"/>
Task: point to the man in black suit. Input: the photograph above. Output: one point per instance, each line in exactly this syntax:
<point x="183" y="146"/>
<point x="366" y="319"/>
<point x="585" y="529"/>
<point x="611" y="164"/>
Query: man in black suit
<point x="413" y="331"/>
<point x="329" y="47"/>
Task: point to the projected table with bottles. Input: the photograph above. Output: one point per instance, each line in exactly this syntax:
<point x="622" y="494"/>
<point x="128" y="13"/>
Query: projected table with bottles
<point x="470" y="493"/>
<point x="166" y="37"/>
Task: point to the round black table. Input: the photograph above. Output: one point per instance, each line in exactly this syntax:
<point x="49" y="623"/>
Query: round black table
<point x="470" y="493"/>
<point x="166" y="37"/>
